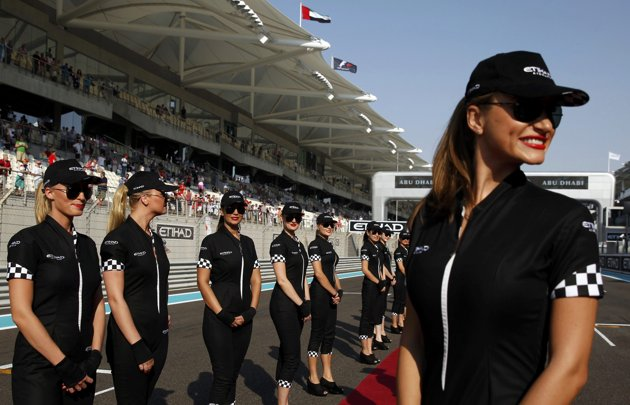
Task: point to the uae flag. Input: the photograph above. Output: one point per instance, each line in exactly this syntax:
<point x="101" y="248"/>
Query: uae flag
<point x="340" y="64"/>
<point x="308" y="14"/>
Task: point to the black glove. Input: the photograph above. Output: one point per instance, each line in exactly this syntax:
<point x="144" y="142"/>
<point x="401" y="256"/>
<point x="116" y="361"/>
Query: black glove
<point x="340" y="293"/>
<point x="70" y="372"/>
<point x="92" y="362"/>
<point x="249" y="314"/>
<point x="225" y="317"/>
<point x="141" y="352"/>
<point x="381" y="284"/>
<point x="305" y="308"/>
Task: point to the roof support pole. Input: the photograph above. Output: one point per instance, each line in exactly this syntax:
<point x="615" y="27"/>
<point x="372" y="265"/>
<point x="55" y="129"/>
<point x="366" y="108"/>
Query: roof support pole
<point x="182" y="45"/>
<point x="252" y="94"/>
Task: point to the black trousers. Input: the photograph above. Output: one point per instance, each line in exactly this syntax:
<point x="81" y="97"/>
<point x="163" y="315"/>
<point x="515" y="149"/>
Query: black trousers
<point x="289" y="324"/>
<point x="132" y="386"/>
<point x="227" y="348"/>
<point x="400" y="293"/>
<point x="42" y="385"/>
<point x="369" y="308"/>
<point x="381" y="305"/>
<point x="323" y="322"/>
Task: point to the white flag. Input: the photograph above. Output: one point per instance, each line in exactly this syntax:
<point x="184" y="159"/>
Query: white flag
<point x="613" y="156"/>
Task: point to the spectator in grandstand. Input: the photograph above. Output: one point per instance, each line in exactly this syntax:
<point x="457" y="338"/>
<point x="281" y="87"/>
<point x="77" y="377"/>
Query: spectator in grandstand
<point x="20" y="148"/>
<point x="398" y="307"/>
<point x="374" y="285"/>
<point x="37" y="171"/>
<point x="290" y="304"/>
<point x="101" y="188"/>
<point x="228" y="277"/>
<point x="517" y="264"/>
<point x="52" y="157"/>
<point x="77" y="146"/>
<point x="326" y="294"/>
<point x="5" y="171"/>
<point x="135" y="271"/>
<point x="20" y="176"/>
<point x="57" y="350"/>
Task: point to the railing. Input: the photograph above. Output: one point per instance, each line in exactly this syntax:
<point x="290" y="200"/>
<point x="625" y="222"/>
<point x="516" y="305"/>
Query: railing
<point x="183" y="276"/>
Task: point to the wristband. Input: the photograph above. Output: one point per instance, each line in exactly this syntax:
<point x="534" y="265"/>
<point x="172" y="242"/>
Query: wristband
<point x="305" y="308"/>
<point x="70" y="372"/>
<point x="141" y="352"/>
<point x="92" y="362"/>
<point x="340" y="293"/>
<point x="382" y="284"/>
<point x="249" y="314"/>
<point x="225" y="317"/>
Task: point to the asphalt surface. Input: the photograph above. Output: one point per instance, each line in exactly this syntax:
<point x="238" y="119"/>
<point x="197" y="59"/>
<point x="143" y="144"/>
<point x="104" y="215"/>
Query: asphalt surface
<point x="187" y="377"/>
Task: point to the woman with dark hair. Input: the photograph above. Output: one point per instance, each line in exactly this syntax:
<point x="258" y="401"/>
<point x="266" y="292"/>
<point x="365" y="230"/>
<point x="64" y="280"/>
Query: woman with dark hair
<point x="290" y="304"/>
<point x="228" y="276"/>
<point x="135" y="271"/>
<point x="400" y="289"/>
<point x="326" y="294"/>
<point x="503" y="276"/>
<point x="55" y="295"/>
<point x="380" y="337"/>
<point x="374" y="285"/>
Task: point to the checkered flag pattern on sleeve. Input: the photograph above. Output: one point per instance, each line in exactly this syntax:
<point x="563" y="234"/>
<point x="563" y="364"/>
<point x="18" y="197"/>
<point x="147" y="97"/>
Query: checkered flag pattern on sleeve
<point x="204" y="263"/>
<point x="586" y="282"/>
<point x="112" y="265"/>
<point x="315" y="258"/>
<point x="278" y="259"/>
<point x="15" y="270"/>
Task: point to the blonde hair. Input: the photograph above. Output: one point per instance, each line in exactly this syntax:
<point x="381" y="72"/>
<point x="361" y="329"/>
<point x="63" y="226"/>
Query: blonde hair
<point x="118" y="212"/>
<point x="43" y="205"/>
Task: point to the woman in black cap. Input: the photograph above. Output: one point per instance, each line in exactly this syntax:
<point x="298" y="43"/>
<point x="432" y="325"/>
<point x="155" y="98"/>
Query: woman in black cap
<point x="503" y="276"/>
<point x="398" y="306"/>
<point x="326" y="294"/>
<point x="55" y="295"/>
<point x="290" y="304"/>
<point x="228" y="276"/>
<point x="380" y="337"/>
<point x="135" y="270"/>
<point x="374" y="285"/>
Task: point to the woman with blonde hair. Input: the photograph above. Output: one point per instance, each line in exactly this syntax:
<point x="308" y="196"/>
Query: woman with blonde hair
<point x="135" y="270"/>
<point x="502" y="276"/>
<point x="55" y="294"/>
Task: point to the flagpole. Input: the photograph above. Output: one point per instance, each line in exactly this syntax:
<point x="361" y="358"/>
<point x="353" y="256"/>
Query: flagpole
<point x="300" y="15"/>
<point x="332" y="63"/>
<point x="609" y="163"/>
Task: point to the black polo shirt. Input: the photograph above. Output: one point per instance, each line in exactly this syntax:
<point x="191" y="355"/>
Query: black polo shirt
<point x="373" y="253"/>
<point x="232" y="262"/>
<point x="143" y="260"/>
<point x="484" y="304"/>
<point x="387" y="256"/>
<point x="400" y="256"/>
<point x="65" y="274"/>
<point x="289" y="250"/>
<point x="321" y="250"/>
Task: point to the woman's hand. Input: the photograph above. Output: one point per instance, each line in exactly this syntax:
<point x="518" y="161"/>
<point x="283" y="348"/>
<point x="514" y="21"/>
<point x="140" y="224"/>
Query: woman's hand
<point x="81" y="385"/>
<point x="238" y="321"/>
<point x="147" y="366"/>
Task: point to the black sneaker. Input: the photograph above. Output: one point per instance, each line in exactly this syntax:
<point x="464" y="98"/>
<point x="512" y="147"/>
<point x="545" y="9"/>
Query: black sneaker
<point x="331" y="386"/>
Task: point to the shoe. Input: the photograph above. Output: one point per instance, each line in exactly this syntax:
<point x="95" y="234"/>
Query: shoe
<point x="331" y="386"/>
<point x="376" y="345"/>
<point x="386" y="339"/>
<point x="395" y="331"/>
<point x="368" y="359"/>
<point x="315" y="389"/>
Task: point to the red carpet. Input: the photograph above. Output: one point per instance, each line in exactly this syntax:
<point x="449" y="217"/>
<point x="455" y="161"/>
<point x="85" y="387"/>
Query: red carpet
<point x="379" y="387"/>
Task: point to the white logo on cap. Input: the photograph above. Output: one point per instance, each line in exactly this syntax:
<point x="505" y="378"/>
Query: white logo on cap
<point x="137" y="187"/>
<point x="536" y="71"/>
<point x="76" y="168"/>
<point x="234" y="196"/>
<point x="473" y="88"/>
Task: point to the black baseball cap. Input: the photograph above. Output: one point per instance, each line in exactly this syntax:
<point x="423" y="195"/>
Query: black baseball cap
<point x="67" y="171"/>
<point x="141" y="181"/>
<point x="387" y="232"/>
<point x="291" y="208"/>
<point x="373" y="226"/>
<point x="404" y="235"/>
<point x="520" y="74"/>
<point x="325" y="218"/>
<point x="232" y="198"/>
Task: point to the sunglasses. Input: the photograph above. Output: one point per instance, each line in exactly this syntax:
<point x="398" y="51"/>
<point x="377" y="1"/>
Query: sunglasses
<point x="327" y="224"/>
<point x="528" y="110"/>
<point x="72" y="191"/>
<point x="293" y="217"/>
<point x="376" y="232"/>
<point x="235" y="207"/>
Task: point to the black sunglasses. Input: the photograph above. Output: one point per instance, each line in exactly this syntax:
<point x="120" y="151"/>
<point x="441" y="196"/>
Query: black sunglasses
<point x="235" y="207"/>
<point x="72" y="191"/>
<point x="293" y="217"/>
<point x="376" y="232"/>
<point x="528" y="110"/>
<point x="327" y="224"/>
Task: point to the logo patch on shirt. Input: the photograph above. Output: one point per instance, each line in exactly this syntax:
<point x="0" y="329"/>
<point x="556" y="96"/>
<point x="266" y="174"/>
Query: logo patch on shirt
<point x="110" y="242"/>
<point x="275" y="245"/>
<point x="137" y="254"/>
<point x="589" y="225"/>
<point x="203" y="248"/>
<point x="420" y="249"/>
<point x="53" y="257"/>
<point x="295" y="253"/>
<point x="14" y="243"/>
<point x="227" y="252"/>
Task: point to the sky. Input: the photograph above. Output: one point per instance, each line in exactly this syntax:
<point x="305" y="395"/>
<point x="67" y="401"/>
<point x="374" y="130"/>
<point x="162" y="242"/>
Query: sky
<point x="416" y="56"/>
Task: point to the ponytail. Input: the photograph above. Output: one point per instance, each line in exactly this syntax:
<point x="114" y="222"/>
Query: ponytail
<point x="42" y="204"/>
<point x="119" y="208"/>
<point x="221" y="223"/>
